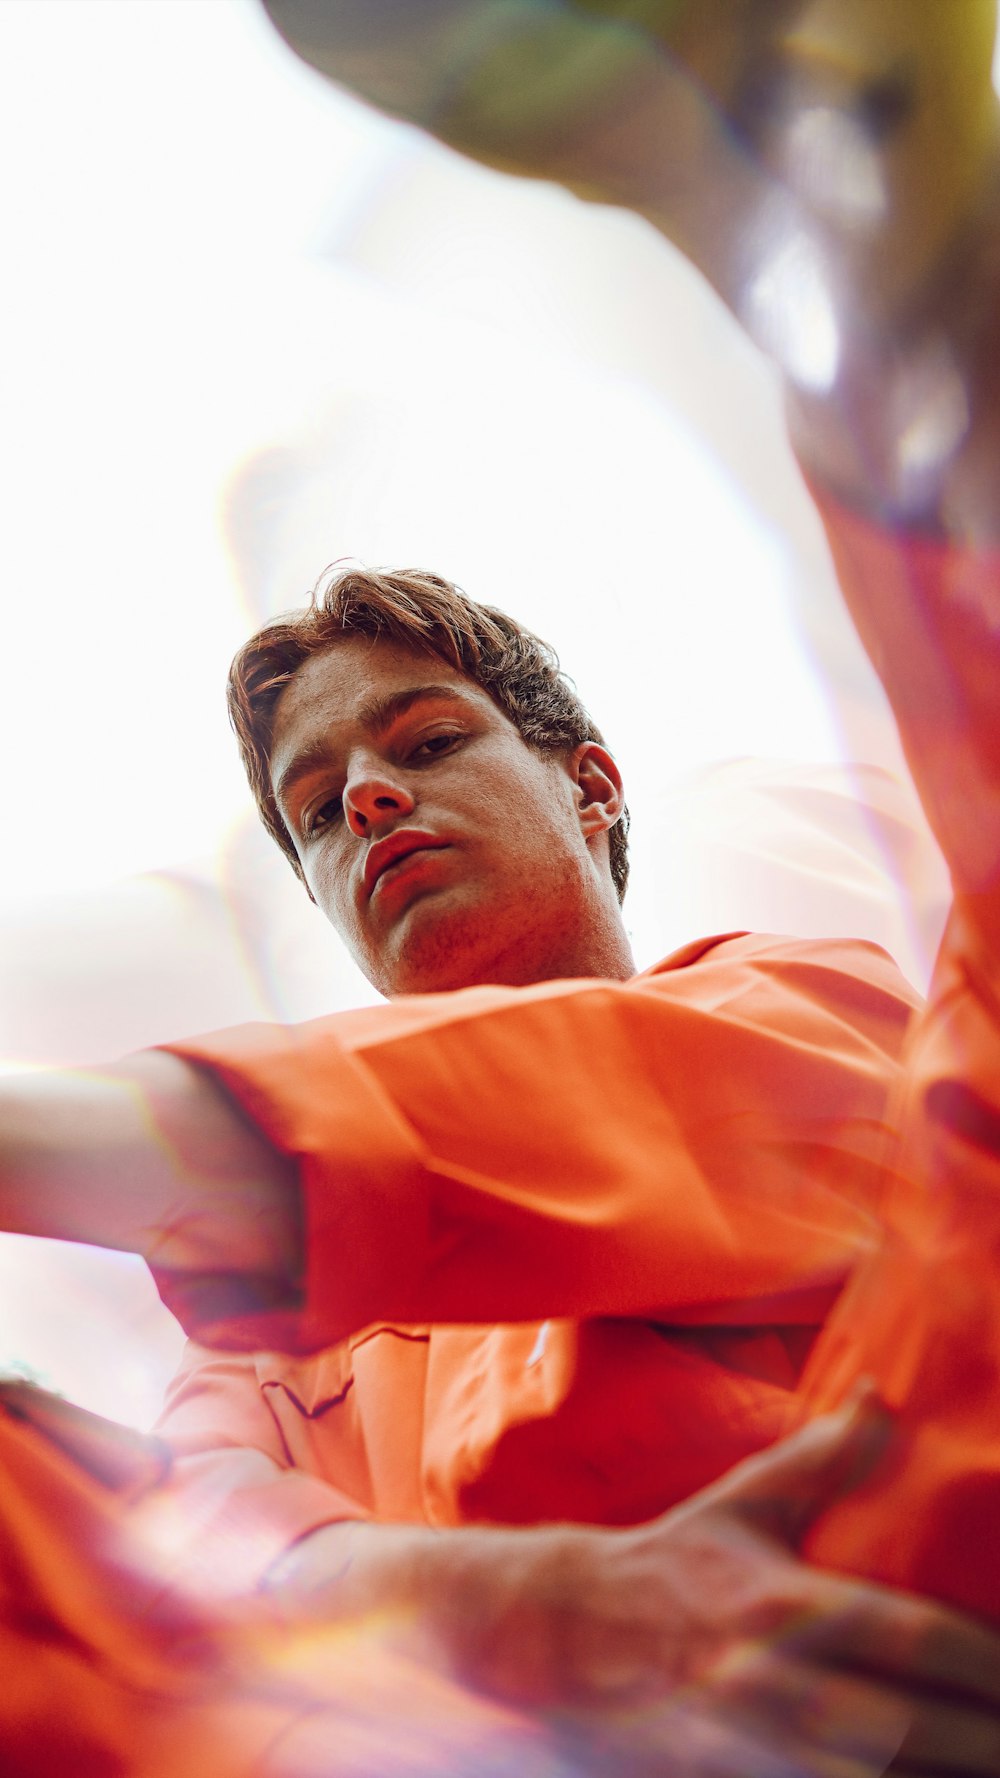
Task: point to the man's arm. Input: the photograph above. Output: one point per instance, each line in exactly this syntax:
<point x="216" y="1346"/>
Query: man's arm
<point x="737" y="1155"/>
<point x="861" y="136"/>
<point x="700" y="1625"/>
<point x="697" y="1642"/>
<point x="744" y="1105"/>
<point x="149" y="1155"/>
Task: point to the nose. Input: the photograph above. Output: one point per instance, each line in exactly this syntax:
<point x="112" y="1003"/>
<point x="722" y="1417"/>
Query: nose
<point x="372" y="800"/>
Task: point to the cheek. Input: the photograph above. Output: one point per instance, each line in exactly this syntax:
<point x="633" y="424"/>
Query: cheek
<point x="535" y="817"/>
<point x="329" y="891"/>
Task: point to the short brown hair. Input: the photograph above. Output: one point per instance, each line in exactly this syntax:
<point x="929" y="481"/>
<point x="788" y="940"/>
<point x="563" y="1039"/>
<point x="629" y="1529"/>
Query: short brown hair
<point x="424" y="612"/>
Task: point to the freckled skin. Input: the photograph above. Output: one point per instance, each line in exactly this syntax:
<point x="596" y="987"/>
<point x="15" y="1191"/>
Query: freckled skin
<point x="521" y="892"/>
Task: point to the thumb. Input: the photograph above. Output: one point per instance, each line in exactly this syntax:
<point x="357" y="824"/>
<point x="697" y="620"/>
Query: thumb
<point x="783" y="1489"/>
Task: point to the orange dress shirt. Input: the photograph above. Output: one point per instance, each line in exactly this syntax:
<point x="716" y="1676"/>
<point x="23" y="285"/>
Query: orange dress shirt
<point x="922" y="1316"/>
<point x="567" y="1249"/>
<point x="662" y="1179"/>
<point x="568" y="1245"/>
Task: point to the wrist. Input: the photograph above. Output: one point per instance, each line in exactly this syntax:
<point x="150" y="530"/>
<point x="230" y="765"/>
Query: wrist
<point x="343" y="1571"/>
<point x="491" y="1605"/>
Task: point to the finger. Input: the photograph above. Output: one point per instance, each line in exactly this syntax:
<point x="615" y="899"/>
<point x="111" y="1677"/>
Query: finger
<point x="783" y="1489"/>
<point x="696" y="1737"/>
<point x="924" y="1646"/>
<point x="953" y="1740"/>
<point x="822" y="1718"/>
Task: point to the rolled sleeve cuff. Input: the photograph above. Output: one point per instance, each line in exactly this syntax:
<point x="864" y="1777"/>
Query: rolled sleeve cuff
<point x="357" y="1160"/>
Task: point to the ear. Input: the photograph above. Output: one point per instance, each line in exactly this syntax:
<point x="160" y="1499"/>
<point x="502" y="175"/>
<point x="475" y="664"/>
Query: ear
<point x="598" y="788"/>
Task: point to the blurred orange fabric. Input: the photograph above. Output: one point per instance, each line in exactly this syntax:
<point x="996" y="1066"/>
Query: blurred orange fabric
<point x="107" y="1669"/>
<point x="922" y="1315"/>
<point x="112" y="1670"/>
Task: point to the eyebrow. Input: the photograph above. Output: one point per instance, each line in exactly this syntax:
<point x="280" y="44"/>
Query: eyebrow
<point x="376" y="714"/>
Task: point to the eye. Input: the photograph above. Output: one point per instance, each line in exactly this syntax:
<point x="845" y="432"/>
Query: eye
<point x="436" y="745"/>
<point x="322" y="817"/>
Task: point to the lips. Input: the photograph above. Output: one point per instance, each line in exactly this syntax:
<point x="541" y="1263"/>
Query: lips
<point x="385" y="853"/>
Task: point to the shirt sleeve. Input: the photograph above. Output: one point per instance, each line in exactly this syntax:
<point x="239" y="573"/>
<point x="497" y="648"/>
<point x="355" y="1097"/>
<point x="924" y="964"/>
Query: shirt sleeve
<point x="927" y="609"/>
<point x="233" y="1502"/>
<point x="921" y="1316"/>
<point x="709" y="1134"/>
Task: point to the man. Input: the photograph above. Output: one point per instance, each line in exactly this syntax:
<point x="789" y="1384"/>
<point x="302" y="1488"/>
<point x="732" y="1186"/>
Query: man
<point x="706" y="1153"/>
<point x="540" y="1583"/>
<point x="777" y="1059"/>
<point x="832" y="169"/>
<point x="398" y="785"/>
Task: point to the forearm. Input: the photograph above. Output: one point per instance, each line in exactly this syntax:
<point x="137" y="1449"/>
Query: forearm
<point x="489" y="1605"/>
<point x="342" y="1573"/>
<point x="703" y="1615"/>
<point x="147" y="1155"/>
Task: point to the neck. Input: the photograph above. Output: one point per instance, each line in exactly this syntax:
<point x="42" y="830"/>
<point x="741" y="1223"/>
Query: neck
<point x="606" y="953"/>
<point x="588" y="941"/>
<point x="593" y="947"/>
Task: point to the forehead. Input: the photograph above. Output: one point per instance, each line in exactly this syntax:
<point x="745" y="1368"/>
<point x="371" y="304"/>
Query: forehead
<point x="339" y="691"/>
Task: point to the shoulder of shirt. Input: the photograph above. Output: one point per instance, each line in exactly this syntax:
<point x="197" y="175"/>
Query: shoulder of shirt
<point x="858" y="957"/>
<point x="693" y="952"/>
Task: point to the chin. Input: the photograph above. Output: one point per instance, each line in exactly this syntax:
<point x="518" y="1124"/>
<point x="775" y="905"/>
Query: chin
<point x="439" y="955"/>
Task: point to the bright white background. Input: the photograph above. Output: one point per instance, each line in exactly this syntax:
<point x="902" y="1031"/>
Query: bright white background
<point x="250" y="327"/>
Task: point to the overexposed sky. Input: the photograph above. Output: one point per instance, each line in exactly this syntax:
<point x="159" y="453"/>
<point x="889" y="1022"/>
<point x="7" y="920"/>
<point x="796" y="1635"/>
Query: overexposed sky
<point x="250" y="327"/>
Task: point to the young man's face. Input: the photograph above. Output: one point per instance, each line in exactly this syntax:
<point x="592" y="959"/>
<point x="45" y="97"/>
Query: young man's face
<point x="444" y="850"/>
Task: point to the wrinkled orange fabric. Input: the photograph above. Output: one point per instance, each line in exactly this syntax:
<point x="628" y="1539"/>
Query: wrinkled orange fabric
<point x="922" y="1315"/>
<point x="571" y="1244"/>
<point x="106" y="1669"/>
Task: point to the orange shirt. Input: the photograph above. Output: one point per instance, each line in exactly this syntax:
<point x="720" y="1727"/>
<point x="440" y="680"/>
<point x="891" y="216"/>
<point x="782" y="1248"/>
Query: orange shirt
<point x="567" y="1245"/>
<point x="510" y="1199"/>
<point x="928" y="612"/>
<point x="922" y="1315"/>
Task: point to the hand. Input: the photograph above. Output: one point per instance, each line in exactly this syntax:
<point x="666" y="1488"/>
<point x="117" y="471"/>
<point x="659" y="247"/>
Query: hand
<point x="831" y="167"/>
<point x="698" y="1644"/>
<point x="721" y="120"/>
<point x="772" y="1667"/>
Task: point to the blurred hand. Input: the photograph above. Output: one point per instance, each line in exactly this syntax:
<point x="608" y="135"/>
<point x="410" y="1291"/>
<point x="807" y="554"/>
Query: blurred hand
<point x="732" y="124"/>
<point x="698" y="1644"/>
<point x="832" y="167"/>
